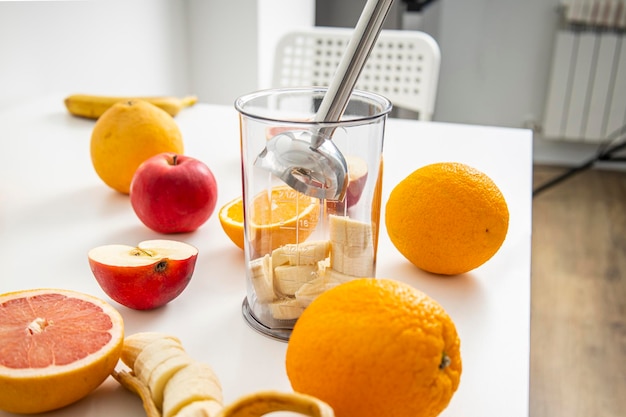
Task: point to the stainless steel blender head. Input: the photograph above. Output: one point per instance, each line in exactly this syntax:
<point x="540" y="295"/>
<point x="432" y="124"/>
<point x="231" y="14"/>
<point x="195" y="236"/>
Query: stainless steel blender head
<point x="309" y="161"/>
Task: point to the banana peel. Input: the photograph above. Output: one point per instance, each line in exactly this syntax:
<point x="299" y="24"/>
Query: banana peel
<point x="265" y="402"/>
<point x="93" y="106"/>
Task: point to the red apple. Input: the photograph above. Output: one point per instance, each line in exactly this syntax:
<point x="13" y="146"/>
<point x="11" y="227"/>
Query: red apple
<point x="144" y="277"/>
<point x="357" y="178"/>
<point x="173" y="193"/>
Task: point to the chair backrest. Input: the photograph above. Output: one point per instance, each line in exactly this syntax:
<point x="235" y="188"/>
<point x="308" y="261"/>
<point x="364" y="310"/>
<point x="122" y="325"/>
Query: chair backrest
<point x="403" y="66"/>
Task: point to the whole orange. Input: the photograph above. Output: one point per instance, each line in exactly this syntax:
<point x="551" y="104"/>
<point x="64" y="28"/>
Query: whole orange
<point x="375" y="347"/>
<point x="447" y="218"/>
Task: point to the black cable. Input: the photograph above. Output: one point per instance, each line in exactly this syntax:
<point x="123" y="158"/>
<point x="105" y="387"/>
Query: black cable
<point x="605" y="153"/>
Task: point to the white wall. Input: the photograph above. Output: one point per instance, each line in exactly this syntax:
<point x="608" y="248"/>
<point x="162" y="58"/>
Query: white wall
<point x="232" y="43"/>
<point x="216" y="49"/>
<point x="277" y="17"/>
<point x="223" y="53"/>
<point x="107" y="47"/>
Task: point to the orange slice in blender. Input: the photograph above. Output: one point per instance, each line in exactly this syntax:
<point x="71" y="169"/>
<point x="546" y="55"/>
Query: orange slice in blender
<point x="281" y="215"/>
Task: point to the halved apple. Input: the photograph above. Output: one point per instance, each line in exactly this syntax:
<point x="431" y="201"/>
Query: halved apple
<point x="146" y="276"/>
<point x="357" y="178"/>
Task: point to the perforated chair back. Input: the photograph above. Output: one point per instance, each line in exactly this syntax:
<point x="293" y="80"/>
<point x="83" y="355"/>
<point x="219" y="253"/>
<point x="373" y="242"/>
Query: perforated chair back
<point x="403" y="66"/>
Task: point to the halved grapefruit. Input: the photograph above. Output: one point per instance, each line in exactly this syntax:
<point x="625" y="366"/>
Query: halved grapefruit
<point x="56" y="346"/>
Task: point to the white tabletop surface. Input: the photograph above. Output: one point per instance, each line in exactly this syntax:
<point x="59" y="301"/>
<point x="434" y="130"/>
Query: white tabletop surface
<point x="53" y="209"/>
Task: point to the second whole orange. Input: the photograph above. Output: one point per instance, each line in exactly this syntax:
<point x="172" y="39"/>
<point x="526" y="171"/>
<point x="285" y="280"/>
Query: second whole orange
<point x="447" y="218"/>
<point x="376" y="347"/>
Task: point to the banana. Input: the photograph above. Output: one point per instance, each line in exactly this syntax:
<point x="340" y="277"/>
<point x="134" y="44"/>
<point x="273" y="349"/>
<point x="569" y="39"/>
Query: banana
<point x="266" y="402"/>
<point x="352" y="247"/>
<point x="193" y="389"/>
<point x="206" y="408"/>
<point x="153" y="355"/>
<point x="349" y="232"/>
<point x="286" y="309"/>
<point x="288" y="279"/>
<point x="168" y="379"/>
<point x="306" y="253"/>
<point x="164" y="371"/>
<point x="310" y="290"/>
<point x="195" y="382"/>
<point x="136" y="342"/>
<point x="93" y="106"/>
<point x="332" y="275"/>
<point x="261" y="275"/>
<point x="357" y="262"/>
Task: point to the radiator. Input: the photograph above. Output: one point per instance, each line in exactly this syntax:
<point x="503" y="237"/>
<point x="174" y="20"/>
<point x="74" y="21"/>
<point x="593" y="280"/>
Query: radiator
<point x="586" y="94"/>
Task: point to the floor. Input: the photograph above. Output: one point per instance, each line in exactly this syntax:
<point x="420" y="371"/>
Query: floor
<point x="578" y="321"/>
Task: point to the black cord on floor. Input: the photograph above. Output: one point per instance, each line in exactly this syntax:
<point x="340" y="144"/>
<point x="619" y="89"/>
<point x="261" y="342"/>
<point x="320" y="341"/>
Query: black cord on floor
<point x="605" y="152"/>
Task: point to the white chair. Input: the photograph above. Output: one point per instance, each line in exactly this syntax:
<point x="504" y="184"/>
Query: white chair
<point x="403" y="66"/>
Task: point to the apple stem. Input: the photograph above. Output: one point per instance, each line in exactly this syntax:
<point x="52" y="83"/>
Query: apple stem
<point x="175" y="159"/>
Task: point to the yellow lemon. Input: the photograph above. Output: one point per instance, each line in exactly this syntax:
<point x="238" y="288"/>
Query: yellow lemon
<point x="127" y="134"/>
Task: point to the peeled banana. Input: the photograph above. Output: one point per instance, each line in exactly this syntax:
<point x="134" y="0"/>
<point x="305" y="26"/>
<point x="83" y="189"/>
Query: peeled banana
<point x="166" y="378"/>
<point x="171" y="384"/>
<point x="93" y="106"/>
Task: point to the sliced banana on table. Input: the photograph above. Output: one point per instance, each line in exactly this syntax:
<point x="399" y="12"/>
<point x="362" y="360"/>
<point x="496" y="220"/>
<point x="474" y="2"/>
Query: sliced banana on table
<point x="154" y="354"/>
<point x="166" y="378"/>
<point x="205" y="408"/>
<point x="135" y="343"/>
<point x="195" y="382"/>
<point x="191" y="388"/>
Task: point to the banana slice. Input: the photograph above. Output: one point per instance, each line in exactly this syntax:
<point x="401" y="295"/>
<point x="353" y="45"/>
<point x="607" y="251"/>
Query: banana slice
<point x="163" y="372"/>
<point x="288" y="279"/>
<point x="311" y="290"/>
<point x="354" y="261"/>
<point x="262" y="279"/>
<point x="153" y="355"/>
<point x="352" y="247"/>
<point x="336" y="276"/>
<point x="206" y="408"/>
<point x="349" y="232"/>
<point x="286" y="309"/>
<point x="306" y="253"/>
<point x="195" y="382"/>
<point x="136" y="342"/>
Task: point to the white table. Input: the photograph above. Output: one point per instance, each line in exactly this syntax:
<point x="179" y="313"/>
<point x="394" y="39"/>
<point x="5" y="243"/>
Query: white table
<point x="53" y="209"/>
